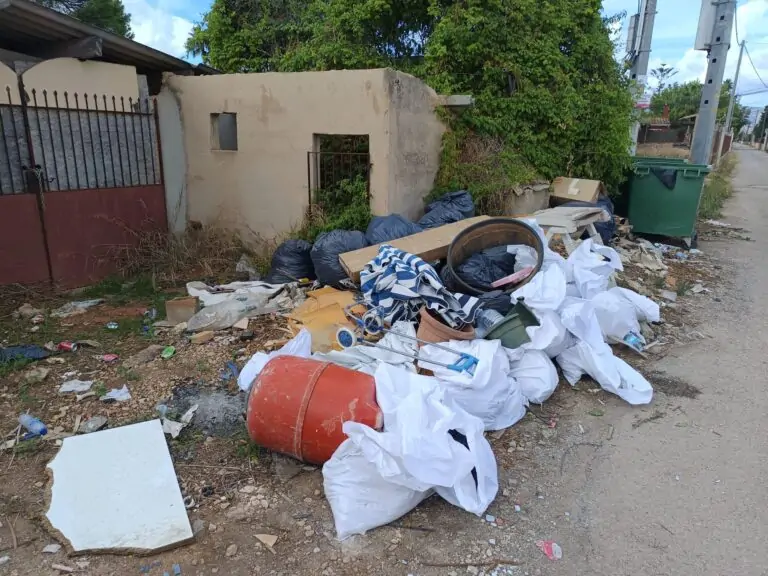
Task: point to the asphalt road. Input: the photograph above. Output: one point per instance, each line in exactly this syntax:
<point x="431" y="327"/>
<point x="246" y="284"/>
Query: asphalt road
<point x="687" y="494"/>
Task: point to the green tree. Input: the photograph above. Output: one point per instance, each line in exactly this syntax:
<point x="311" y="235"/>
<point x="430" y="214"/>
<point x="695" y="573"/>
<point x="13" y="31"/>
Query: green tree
<point x="109" y="15"/>
<point x="760" y="127"/>
<point x="662" y="74"/>
<point x="684" y="100"/>
<point x="550" y="99"/>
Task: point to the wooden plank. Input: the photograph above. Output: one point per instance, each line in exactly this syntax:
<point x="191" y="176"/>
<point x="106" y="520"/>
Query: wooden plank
<point x="429" y="245"/>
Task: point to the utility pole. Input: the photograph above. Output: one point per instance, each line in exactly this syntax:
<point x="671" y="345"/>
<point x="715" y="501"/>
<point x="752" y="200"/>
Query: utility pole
<point x="701" y="148"/>
<point x="731" y="103"/>
<point x="639" y="70"/>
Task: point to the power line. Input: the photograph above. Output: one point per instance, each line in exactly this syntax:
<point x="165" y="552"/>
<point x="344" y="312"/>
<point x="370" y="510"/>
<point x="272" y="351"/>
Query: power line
<point x="754" y="67"/>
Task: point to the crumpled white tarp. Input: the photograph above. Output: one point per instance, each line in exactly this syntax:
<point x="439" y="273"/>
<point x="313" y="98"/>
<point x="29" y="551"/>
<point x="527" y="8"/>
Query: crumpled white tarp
<point x="242" y="291"/>
<point x="300" y="345"/>
<point x="375" y="477"/>
<point x="491" y="393"/>
<point x="591" y="355"/>
<point x="590" y="267"/>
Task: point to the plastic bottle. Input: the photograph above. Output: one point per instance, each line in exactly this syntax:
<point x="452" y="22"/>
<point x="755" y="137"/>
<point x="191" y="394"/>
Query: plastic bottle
<point x="33" y="425"/>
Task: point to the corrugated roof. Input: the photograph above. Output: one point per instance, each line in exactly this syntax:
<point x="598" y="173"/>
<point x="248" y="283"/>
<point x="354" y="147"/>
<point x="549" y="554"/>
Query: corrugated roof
<point x="25" y="25"/>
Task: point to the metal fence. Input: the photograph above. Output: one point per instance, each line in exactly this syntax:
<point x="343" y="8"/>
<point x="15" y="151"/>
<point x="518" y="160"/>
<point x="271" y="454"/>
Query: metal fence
<point x="70" y="141"/>
<point x="326" y="170"/>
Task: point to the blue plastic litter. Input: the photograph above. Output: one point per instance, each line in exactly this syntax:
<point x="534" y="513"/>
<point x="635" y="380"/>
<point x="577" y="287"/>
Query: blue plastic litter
<point x="176" y="570"/>
<point x="230" y="372"/>
<point x="23" y="352"/>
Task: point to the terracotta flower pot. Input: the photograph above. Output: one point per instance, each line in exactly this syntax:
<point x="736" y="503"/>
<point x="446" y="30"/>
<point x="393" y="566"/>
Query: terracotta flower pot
<point x="433" y="330"/>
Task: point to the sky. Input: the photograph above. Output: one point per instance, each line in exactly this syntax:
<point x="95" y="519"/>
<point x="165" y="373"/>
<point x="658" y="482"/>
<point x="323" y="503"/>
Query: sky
<point x="165" y="25"/>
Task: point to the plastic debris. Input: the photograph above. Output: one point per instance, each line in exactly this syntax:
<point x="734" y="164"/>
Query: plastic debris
<point x="109" y="357"/>
<point x="167" y="352"/>
<point x="230" y="371"/>
<point x="77" y="386"/>
<point x="268" y="540"/>
<point x="176" y="570"/>
<point x="171" y="426"/>
<point x="75" y="308"/>
<point x="23" y="352"/>
<point x="52" y="548"/>
<point x="550" y="548"/>
<point x="33" y="425"/>
<point x="117" y="395"/>
<point x="291" y="262"/>
<point x="112" y="325"/>
<point x="93" y="424"/>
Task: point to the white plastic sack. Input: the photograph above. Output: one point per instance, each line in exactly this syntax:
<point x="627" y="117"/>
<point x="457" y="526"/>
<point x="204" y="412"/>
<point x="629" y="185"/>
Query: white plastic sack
<point x="536" y="375"/>
<point x="360" y="498"/>
<point x="611" y="373"/>
<point x="545" y="291"/>
<point x="550" y="335"/>
<point x="300" y="345"/>
<point x="616" y="316"/>
<point x="646" y="309"/>
<point x="590" y="267"/>
<point x="414" y="454"/>
<point x="490" y="393"/>
<point x="579" y="318"/>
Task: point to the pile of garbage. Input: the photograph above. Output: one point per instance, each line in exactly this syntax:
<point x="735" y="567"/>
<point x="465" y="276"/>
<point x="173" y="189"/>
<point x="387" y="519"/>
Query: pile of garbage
<point x="438" y="396"/>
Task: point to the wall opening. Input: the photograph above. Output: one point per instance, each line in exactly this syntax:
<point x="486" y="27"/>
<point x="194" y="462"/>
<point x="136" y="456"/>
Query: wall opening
<point x="338" y="159"/>
<point x="224" y="131"/>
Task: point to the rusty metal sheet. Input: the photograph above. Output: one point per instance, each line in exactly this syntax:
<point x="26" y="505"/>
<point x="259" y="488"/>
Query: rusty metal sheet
<point x="22" y="249"/>
<point x="86" y="227"/>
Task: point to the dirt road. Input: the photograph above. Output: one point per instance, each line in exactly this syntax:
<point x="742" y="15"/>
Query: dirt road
<point x="684" y="494"/>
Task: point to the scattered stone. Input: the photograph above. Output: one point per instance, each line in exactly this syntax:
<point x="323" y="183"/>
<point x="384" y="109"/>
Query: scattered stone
<point x="82" y="564"/>
<point x="27" y="311"/>
<point x="490" y="518"/>
<point x="36" y="375"/>
<point x="93" y="424"/>
<point x="473" y="570"/>
<point x="647" y="332"/>
<point x="202" y="337"/>
<point x="144" y="357"/>
<point x="4" y="560"/>
<point x="179" y="328"/>
<point x="669" y="295"/>
<point x="62" y="568"/>
<point x="212" y="527"/>
<point x="248" y="489"/>
<point x="198" y="526"/>
<point x="55" y="360"/>
<point x="89" y="343"/>
<point x="697" y="289"/>
<point x="268" y="540"/>
<point x="285" y="467"/>
<point x="231" y="550"/>
<point x="52" y="548"/>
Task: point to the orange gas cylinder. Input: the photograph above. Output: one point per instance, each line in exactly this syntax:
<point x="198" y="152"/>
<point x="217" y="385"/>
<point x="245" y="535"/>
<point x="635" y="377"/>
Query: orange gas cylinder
<point x="297" y="406"/>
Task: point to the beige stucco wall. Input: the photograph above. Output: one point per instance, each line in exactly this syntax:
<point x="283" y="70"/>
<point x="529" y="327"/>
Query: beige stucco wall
<point x="415" y="142"/>
<point x="8" y="79"/>
<point x="262" y="187"/>
<point x="87" y="77"/>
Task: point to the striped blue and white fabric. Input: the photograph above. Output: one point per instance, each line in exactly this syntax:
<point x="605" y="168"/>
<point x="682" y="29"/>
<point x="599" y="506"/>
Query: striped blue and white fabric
<point x="399" y="284"/>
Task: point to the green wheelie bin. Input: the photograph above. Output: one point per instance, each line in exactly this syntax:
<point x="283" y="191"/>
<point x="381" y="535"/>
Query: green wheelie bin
<point x="664" y="197"/>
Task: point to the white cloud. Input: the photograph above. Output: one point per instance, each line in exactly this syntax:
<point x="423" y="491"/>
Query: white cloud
<point x="158" y="27"/>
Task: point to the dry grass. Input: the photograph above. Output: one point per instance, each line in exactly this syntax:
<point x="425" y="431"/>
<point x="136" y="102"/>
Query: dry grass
<point x="717" y="188"/>
<point x="203" y="251"/>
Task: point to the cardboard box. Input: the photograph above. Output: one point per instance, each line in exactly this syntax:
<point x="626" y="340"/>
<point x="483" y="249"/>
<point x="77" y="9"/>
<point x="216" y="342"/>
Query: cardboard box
<point x="569" y="189"/>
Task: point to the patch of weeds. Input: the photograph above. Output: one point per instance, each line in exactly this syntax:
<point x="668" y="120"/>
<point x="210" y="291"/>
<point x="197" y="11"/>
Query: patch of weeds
<point x="683" y="287"/>
<point x="249" y="450"/>
<point x="202" y="366"/>
<point x="118" y="288"/>
<point x="717" y="188"/>
<point x="596" y="412"/>
<point x="99" y="389"/>
<point x="28" y="447"/>
<point x="660" y="282"/>
<point x="12" y="365"/>
<point x="128" y="374"/>
<point x="25" y="396"/>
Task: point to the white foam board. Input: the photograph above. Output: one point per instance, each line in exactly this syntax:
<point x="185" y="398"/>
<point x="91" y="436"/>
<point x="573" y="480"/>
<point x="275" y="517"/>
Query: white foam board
<point x="116" y="490"/>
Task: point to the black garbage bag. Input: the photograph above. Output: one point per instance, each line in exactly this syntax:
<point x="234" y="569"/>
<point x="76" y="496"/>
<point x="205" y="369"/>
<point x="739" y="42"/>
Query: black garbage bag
<point x="605" y="229"/>
<point x="326" y="250"/>
<point x="483" y="268"/>
<point x="496" y="300"/>
<point x="440" y="215"/>
<point x="290" y="262"/>
<point x="386" y="228"/>
<point x="461" y="200"/>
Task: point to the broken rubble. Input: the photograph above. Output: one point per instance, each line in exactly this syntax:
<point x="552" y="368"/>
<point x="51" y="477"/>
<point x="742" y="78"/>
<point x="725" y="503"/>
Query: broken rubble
<point x="144" y="357"/>
<point x="36" y="375"/>
<point x="202" y="337"/>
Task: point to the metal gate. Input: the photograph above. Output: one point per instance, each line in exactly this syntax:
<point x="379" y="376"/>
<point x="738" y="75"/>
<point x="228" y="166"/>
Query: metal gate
<point x="80" y="178"/>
